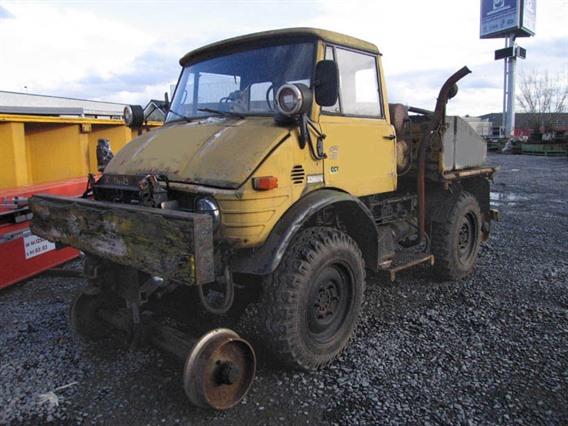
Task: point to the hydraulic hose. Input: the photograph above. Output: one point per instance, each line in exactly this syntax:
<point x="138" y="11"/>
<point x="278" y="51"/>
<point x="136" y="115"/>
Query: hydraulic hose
<point x="229" y="297"/>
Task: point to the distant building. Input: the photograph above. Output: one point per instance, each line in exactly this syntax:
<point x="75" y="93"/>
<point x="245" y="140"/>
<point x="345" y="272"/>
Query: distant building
<point x="31" y="104"/>
<point x="524" y="123"/>
<point x="482" y="126"/>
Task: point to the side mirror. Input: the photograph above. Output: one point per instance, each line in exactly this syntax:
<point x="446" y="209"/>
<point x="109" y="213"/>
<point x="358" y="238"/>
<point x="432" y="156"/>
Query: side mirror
<point x="326" y="83"/>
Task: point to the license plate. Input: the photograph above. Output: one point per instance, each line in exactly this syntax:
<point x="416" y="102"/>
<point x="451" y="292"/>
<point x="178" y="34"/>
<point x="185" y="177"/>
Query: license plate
<point x="34" y="245"/>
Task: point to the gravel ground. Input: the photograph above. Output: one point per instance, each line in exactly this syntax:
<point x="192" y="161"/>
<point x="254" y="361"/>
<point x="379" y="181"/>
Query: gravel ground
<point x="492" y="348"/>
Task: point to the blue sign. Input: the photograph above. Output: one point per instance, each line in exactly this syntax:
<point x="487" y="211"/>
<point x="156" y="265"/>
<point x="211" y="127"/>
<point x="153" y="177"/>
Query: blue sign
<point x="500" y="18"/>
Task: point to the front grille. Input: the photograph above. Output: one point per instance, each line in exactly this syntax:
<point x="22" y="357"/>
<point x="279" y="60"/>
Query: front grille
<point x="149" y="190"/>
<point x="127" y="195"/>
<point x="297" y="175"/>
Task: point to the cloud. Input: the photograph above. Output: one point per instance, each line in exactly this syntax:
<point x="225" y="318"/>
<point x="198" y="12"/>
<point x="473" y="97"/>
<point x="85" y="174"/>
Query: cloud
<point x="49" y="48"/>
<point x="423" y="43"/>
<point x="128" y="52"/>
<point x="550" y="54"/>
<point x="114" y="51"/>
<point x="4" y="14"/>
<point x="149" y="76"/>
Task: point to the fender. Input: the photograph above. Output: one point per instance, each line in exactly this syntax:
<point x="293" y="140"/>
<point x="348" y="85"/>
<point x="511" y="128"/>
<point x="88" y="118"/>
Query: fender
<point x="353" y="214"/>
<point x="438" y="197"/>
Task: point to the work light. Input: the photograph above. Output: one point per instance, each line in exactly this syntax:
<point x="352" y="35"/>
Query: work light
<point x="133" y="115"/>
<point x="209" y="206"/>
<point x="293" y="99"/>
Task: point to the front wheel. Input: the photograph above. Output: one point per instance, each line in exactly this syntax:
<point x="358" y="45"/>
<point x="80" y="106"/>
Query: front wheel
<point x="311" y="303"/>
<point x="456" y="240"/>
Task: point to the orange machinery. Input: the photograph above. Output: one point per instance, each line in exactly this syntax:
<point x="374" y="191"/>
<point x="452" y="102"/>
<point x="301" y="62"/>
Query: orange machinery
<point x="45" y="154"/>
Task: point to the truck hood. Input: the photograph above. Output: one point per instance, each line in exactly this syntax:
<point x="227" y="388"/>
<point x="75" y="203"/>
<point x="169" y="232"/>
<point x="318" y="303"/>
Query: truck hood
<point x="220" y="152"/>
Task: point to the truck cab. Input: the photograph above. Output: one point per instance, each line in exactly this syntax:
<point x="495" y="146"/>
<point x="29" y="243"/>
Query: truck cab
<point x="221" y="135"/>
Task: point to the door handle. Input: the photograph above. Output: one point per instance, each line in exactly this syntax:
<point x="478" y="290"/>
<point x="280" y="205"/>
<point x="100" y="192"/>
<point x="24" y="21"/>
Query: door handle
<point x="390" y="137"/>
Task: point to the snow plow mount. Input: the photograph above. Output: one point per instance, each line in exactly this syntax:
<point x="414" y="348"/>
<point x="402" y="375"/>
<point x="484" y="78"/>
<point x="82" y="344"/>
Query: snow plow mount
<point x="173" y="244"/>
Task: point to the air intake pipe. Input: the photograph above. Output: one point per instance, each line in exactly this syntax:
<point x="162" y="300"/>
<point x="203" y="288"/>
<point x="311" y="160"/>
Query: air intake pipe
<point x="448" y="91"/>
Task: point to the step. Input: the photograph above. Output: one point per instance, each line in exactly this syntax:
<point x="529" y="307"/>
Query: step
<point x="405" y="260"/>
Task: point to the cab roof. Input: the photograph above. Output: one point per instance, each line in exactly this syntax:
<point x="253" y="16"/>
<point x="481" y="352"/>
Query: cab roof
<point x="280" y="35"/>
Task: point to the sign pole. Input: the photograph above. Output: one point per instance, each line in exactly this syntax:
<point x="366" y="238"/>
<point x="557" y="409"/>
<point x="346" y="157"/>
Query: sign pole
<point x="504" y="120"/>
<point x="509" y="88"/>
<point x="508" y="19"/>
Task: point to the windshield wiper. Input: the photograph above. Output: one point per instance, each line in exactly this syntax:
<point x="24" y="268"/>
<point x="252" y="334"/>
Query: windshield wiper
<point x="225" y="113"/>
<point x="185" y="117"/>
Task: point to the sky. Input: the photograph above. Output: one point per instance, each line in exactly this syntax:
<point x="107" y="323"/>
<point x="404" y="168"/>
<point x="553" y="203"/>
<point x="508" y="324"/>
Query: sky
<point x="128" y="52"/>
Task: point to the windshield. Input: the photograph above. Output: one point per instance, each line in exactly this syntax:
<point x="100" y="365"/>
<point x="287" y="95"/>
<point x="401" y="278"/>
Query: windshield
<point x="243" y="82"/>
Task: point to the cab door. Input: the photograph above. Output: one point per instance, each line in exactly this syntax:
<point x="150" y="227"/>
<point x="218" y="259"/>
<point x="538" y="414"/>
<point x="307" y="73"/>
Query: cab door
<point x="360" y="144"/>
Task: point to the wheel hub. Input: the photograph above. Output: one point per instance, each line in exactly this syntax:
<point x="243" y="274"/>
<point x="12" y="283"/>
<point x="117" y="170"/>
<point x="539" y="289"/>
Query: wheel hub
<point x="464" y="235"/>
<point x="467" y="237"/>
<point x="326" y="301"/>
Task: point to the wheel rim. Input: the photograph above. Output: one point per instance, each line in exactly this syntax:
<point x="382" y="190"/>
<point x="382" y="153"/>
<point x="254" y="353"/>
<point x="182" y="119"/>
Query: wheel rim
<point x="467" y="237"/>
<point x="329" y="303"/>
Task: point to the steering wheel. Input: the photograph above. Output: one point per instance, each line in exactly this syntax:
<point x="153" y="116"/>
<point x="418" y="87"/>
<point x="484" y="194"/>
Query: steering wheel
<point x="270" y="104"/>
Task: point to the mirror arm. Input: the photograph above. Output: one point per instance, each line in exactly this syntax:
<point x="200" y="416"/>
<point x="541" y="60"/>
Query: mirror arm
<point x="166" y="102"/>
<point x="305" y="139"/>
<point x="304" y="133"/>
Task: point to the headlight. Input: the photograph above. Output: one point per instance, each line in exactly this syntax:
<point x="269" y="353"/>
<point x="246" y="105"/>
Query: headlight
<point x="209" y="205"/>
<point x="133" y="115"/>
<point x="292" y="99"/>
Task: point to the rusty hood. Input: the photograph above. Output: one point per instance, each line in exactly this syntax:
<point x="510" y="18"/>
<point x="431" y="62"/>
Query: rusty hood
<point x="220" y="152"/>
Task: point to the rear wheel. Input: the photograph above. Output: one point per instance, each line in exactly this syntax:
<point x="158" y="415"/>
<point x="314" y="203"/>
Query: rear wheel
<point x="456" y="240"/>
<point x="311" y="303"/>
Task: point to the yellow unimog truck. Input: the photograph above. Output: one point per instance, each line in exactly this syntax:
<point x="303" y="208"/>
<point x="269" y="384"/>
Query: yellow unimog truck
<point x="280" y="176"/>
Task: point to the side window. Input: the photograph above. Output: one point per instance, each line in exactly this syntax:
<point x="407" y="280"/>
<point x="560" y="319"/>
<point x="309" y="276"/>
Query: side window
<point x="358" y="84"/>
<point x="335" y="108"/>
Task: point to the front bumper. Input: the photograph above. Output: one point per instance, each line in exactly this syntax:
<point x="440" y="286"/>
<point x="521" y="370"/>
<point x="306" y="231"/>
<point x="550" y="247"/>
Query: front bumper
<point x="172" y="244"/>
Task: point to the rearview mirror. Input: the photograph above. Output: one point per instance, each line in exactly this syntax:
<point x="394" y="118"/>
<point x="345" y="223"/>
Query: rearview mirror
<point x="326" y="83"/>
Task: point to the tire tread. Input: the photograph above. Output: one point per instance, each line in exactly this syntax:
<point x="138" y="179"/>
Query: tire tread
<point x="282" y="289"/>
<point x="445" y="265"/>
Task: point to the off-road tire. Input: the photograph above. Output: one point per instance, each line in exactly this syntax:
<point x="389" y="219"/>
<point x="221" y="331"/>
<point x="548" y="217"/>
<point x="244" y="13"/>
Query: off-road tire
<point x="321" y="279"/>
<point x="455" y="253"/>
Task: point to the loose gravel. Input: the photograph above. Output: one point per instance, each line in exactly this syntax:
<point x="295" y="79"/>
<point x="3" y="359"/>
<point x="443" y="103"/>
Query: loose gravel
<point x="492" y="348"/>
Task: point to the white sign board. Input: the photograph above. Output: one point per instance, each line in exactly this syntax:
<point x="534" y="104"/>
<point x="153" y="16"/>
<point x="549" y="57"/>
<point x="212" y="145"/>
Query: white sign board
<point x="34" y="245"/>
<point x="529" y="16"/>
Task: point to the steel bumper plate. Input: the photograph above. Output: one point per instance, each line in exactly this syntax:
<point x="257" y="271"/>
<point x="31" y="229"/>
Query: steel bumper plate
<point x="172" y="244"/>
